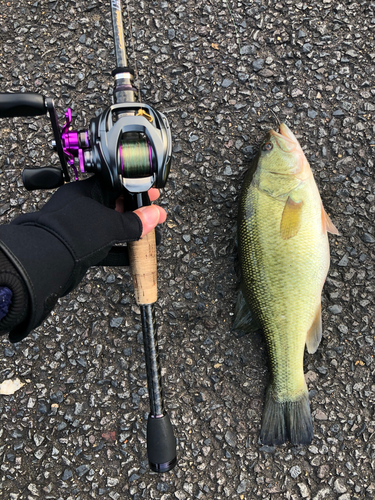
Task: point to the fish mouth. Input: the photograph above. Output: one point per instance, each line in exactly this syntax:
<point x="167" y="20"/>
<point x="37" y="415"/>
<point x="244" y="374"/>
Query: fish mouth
<point x="288" y="143"/>
<point x="285" y="138"/>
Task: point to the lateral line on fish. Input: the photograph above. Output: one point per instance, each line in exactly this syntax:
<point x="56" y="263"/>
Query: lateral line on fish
<point x="278" y="173"/>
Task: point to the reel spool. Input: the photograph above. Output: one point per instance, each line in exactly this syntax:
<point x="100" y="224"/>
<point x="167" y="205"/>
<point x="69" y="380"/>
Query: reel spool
<point x="135" y="157"/>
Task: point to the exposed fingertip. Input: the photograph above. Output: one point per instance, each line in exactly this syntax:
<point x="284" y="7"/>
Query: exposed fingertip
<point x="150" y="214"/>
<point x="163" y="215"/>
<point x="154" y="194"/>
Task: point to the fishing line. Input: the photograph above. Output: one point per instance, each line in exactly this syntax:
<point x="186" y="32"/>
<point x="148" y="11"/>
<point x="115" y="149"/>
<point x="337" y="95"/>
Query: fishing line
<point x="276" y="117"/>
<point x="135" y="157"/>
<point x="234" y="24"/>
<point x="133" y="47"/>
<point x="134" y="152"/>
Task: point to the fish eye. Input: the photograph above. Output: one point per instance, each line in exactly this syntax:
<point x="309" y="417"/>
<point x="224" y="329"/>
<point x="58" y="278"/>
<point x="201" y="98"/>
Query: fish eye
<point x="267" y="146"/>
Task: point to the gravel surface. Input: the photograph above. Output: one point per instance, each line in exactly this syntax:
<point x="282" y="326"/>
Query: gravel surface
<point x="76" y="429"/>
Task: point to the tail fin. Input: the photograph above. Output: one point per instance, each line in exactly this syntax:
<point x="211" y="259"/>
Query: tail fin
<point x="290" y="420"/>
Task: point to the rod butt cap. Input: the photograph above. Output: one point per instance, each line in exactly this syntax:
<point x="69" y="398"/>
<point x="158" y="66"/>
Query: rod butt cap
<point x="161" y="444"/>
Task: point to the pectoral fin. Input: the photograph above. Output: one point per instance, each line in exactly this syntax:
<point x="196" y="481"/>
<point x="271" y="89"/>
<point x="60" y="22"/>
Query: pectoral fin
<point x="291" y="219"/>
<point x="327" y="224"/>
<point x="244" y="320"/>
<point x="314" y="335"/>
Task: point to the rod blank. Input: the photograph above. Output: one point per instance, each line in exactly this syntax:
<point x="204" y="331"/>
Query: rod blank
<point x="118" y="33"/>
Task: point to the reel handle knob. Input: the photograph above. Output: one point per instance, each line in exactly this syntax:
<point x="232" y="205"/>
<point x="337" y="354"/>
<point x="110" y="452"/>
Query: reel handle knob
<point x="42" y="178"/>
<point x="22" y="104"/>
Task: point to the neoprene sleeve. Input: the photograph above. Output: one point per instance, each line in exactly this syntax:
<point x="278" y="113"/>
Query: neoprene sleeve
<point x="16" y="305"/>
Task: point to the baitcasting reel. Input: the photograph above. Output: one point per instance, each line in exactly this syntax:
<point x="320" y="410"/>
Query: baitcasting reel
<point x="128" y="145"/>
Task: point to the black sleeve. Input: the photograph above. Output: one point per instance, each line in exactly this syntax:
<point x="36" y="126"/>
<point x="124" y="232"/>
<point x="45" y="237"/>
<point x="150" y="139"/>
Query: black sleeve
<point x="43" y="263"/>
<point x="18" y="309"/>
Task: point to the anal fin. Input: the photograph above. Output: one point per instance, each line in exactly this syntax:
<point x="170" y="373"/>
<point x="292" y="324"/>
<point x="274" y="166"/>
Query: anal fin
<point x="314" y="335"/>
<point x="327" y="224"/>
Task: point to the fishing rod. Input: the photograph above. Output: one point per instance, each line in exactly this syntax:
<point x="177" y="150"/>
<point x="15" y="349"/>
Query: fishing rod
<point x="129" y="148"/>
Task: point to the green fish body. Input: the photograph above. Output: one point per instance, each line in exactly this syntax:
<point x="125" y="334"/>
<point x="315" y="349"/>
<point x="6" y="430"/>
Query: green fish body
<point x="284" y="257"/>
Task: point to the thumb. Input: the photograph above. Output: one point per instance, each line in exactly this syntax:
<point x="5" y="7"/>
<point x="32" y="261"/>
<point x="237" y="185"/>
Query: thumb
<point x="151" y="216"/>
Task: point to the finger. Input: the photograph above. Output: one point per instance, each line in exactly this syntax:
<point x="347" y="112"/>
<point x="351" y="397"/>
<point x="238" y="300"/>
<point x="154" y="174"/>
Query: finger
<point x="151" y="216"/>
<point x="153" y="194"/>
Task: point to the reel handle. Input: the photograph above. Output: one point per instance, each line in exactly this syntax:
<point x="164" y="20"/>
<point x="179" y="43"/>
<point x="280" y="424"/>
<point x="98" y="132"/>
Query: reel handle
<point x="21" y="104"/>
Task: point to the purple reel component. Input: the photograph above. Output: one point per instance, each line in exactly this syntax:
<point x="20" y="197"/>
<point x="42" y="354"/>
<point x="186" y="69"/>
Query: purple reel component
<point x="73" y="143"/>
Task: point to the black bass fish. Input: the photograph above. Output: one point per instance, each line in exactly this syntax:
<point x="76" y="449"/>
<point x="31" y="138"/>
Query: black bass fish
<point x="284" y="257"/>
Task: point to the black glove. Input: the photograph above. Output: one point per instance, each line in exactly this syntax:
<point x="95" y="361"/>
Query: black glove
<point x="53" y="248"/>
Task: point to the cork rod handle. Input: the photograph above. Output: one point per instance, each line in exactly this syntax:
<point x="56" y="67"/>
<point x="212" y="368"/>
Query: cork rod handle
<point x="142" y="256"/>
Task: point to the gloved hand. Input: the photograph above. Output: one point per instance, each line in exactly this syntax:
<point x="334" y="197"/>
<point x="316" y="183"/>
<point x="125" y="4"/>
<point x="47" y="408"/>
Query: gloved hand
<point x="53" y="248"/>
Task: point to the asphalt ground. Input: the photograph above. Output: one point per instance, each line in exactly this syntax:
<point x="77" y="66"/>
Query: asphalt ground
<point x="76" y="429"/>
